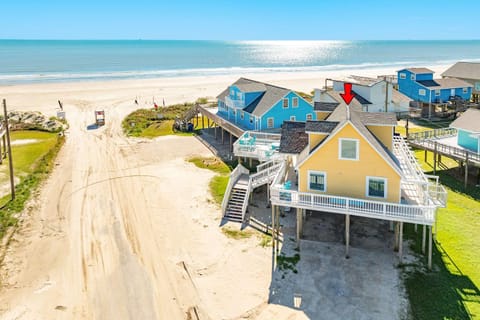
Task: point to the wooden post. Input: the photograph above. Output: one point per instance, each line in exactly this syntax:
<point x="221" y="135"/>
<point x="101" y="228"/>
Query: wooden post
<point x="435" y="158"/>
<point x="268" y="194"/>
<point x="250" y="162"/>
<point x="347" y="236"/>
<point x="395" y="242"/>
<point x="231" y="142"/>
<point x="466" y="170"/>
<point x="10" y="160"/>
<point x="400" y="242"/>
<point x="425" y="155"/>
<point x="430" y="247"/>
<point x="208" y="122"/>
<point x="277" y="219"/>
<point x="223" y="140"/>
<point x="215" y="128"/>
<point x="203" y="122"/>
<point x="299" y="225"/>
<point x="1" y="154"/>
<point x="424" y="236"/>
<point x="406" y="127"/>
<point x="4" y="146"/>
<point x="274" y="257"/>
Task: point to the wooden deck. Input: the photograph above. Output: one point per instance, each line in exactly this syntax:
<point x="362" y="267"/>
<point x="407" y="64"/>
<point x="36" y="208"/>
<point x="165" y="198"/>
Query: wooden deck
<point x="211" y="113"/>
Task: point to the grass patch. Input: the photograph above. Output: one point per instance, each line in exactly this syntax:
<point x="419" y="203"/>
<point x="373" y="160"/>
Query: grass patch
<point x="40" y="165"/>
<point x="217" y="187"/>
<point x="288" y="263"/>
<point x="150" y="123"/>
<point x="452" y="289"/>
<point x="219" y="183"/>
<point x="266" y="240"/>
<point x="237" y="234"/>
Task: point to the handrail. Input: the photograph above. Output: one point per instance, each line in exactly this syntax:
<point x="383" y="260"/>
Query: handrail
<point x="236" y="173"/>
<point x="447" y="149"/>
<point x="435" y="133"/>
<point x="267" y="175"/>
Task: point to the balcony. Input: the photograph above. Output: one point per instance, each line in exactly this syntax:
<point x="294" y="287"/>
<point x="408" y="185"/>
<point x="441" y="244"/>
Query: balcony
<point x="257" y="145"/>
<point x="231" y="103"/>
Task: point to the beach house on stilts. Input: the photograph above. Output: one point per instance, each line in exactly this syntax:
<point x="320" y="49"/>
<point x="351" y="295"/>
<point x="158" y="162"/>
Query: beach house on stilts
<point x="351" y="163"/>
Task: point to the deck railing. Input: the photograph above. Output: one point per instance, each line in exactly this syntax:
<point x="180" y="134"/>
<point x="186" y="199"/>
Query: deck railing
<point x="433" y="134"/>
<point x="234" y="103"/>
<point x="257" y="145"/>
<point x="266" y="175"/>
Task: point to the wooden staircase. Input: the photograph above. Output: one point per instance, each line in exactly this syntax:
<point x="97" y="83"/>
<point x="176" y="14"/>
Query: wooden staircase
<point x="238" y="196"/>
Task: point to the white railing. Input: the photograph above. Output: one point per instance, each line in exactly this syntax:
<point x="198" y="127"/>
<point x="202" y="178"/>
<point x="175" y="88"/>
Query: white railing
<point x="436" y="191"/>
<point x="422" y="214"/>
<point x="236" y="173"/>
<point x="234" y="103"/>
<point x="408" y="162"/>
<point x="264" y="176"/>
<point x="257" y="145"/>
<point x="433" y="134"/>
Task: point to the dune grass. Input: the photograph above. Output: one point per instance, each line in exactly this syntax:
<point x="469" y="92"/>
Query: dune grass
<point x="452" y="289"/>
<point x="32" y="164"/>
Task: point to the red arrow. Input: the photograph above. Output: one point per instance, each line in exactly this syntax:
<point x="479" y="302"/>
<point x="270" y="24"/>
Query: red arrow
<point x="348" y="95"/>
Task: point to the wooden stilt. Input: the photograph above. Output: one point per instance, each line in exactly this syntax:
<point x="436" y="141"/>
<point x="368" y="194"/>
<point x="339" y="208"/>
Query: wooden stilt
<point x="215" y="128"/>
<point x="425" y="155"/>
<point x="415" y="228"/>
<point x="231" y="142"/>
<point x="400" y="243"/>
<point x="250" y="162"/>
<point x="466" y="171"/>
<point x="268" y="194"/>
<point x="347" y="236"/>
<point x="435" y="159"/>
<point x="424" y="238"/>
<point x="430" y="247"/>
<point x="274" y="257"/>
<point x="277" y="219"/>
<point x="395" y="242"/>
<point x="203" y="124"/>
<point x="299" y="225"/>
<point x="223" y="136"/>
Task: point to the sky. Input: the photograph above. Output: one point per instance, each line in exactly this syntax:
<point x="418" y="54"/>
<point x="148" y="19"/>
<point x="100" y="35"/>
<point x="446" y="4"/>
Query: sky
<point x="240" y="20"/>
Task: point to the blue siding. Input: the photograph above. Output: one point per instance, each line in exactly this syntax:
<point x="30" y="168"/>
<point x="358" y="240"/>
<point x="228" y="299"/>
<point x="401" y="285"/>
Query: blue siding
<point x="424" y="76"/>
<point x="280" y="114"/>
<point x="465" y="139"/>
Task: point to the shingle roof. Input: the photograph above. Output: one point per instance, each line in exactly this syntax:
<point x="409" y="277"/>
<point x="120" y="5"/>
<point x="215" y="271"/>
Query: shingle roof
<point x="464" y="70"/>
<point x="428" y="83"/>
<point x="293" y="139"/>
<point x="469" y="120"/>
<point x="320" y="126"/>
<point x="325" y="106"/>
<point x="378" y="118"/>
<point x="452" y="83"/>
<point x="271" y="95"/>
<point x="397" y="96"/>
<point x="419" y="70"/>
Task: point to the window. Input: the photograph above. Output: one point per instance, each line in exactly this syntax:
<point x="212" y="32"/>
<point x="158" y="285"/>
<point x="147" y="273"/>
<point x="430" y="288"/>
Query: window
<point x="270" y="123"/>
<point x="412" y="77"/>
<point x="465" y="90"/>
<point x="285" y="103"/>
<point x="376" y="187"/>
<point x="295" y="102"/>
<point x="292" y="118"/>
<point x="403" y="76"/>
<point x="251" y="119"/>
<point x="317" y="181"/>
<point x="437" y="93"/>
<point x="348" y="149"/>
<point x="309" y="116"/>
<point x="232" y="93"/>
<point x="242" y="115"/>
<point x="239" y="95"/>
<point x="422" y="92"/>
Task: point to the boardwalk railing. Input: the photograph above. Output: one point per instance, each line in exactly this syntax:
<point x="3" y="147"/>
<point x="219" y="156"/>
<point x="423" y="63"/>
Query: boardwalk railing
<point x="447" y="150"/>
<point x="432" y="134"/>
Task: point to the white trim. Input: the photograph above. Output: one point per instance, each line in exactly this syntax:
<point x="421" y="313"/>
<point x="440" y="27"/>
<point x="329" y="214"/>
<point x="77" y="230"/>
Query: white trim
<point x="420" y="92"/>
<point x="413" y="77"/>
<point x="385" y="188"/>
<point x="293" y="118"/>
<point x="293" y="104"/>
<point x="357" y="149"/>
<point x="403" y="75"/>
<point x="309" y="172"/>
<point x="273" y="123"/>
<point x="333" y="134"/>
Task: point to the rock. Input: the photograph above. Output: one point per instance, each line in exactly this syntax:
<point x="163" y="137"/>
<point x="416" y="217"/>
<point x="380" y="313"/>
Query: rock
<point x="33" y="120"/>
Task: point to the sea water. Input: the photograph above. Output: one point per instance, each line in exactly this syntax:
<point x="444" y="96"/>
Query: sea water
<point x="25" y="61"/>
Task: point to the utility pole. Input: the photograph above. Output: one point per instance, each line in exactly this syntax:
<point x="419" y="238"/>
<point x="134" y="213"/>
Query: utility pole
<point x="10" y="161"/>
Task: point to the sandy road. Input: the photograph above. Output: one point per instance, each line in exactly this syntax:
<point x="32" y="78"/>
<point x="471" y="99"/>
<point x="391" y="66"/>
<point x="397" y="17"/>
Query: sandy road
<point x="92" y="250"/>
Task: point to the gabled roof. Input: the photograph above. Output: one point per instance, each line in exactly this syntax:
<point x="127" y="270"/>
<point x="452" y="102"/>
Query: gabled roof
<point x="464" y="70"/>
<point x="320" y="126"/>
<point x="469" y="121"/>
<point x="325" y="106"/>
<point x="418" y="70"/>
<point x="293" y="138"/>
<point x="271" y="95"/>
<point x="397" y="96"/>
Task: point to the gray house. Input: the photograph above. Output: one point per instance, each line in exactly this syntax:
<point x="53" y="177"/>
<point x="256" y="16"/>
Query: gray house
<point x="469" y="72"/>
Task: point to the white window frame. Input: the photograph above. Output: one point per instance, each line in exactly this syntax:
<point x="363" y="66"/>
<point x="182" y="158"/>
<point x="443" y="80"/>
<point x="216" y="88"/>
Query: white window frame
<point x="385" y="188"/>
<point x="232" y="93"/>
<point x="310" y="172"/>
<point x="268" y="122"/>
<point x="437" y="93"/>
<point x="412" y="77"/>
<point x="239" y="95"/>
<point x="309" y="116"/>
<point x="357" y="149"/>
<point x="295" y="102"/>
<point x="465" y="90"/>
<point x="251" y="119"/>
<point x="283" y="103"/>
<point x="293" y="118"/>
<point x="422" y="92"/>
<point x="403" y="75"/>
<point x="242" y="115"/>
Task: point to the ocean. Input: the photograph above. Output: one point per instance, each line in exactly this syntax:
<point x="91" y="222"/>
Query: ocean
<point x="29" y="61"/>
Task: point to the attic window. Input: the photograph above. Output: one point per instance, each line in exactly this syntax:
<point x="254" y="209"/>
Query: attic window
<point x="348" y="149"/>
<point x="295" y="102"/>
<point x="285" y="103"/>
<point x="403" y="76"/>
<point x="465" y="90"/>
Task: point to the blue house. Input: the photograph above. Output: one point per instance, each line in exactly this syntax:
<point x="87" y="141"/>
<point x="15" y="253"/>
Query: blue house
<point x="419" y="85"/>
<point x="254" y="105"/>
<point x="468" y="128"/>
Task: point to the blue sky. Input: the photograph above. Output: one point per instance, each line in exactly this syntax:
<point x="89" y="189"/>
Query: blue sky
<point x="239" y="20"/>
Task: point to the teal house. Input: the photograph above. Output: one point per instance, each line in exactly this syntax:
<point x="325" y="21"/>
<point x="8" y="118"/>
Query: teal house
<point x="254" y="105"/>
<point x="468" y="128"/>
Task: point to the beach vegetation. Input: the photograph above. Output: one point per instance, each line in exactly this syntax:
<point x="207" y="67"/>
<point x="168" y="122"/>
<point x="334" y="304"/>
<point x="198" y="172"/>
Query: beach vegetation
<point x="285" y="262"/>
<point x="32" y="164"/>
<point x="266" y="240"/>
<point x="237" y="234"/>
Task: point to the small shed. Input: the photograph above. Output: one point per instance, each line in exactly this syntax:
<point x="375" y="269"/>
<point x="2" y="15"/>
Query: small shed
<point x="468" y="127"/>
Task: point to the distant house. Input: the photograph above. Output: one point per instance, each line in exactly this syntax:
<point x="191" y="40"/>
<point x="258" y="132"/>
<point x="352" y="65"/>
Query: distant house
<point x="468" y="126"/>
<point x="254" y="105"/>
<point x="376" y="95"/>
<point x="419" y="85"/>
<point x="468" y="72"/>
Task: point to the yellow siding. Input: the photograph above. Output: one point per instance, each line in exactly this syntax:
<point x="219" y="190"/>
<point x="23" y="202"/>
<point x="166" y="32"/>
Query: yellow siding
<point x="384" y="134"/>
<point x="348" y="177"/>
<point x="321" y="115"/>
<point x="314" y="139"/>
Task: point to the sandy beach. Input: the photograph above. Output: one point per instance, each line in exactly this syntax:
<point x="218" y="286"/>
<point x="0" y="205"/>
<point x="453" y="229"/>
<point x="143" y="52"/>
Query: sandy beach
<point x="124" y="228"/>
